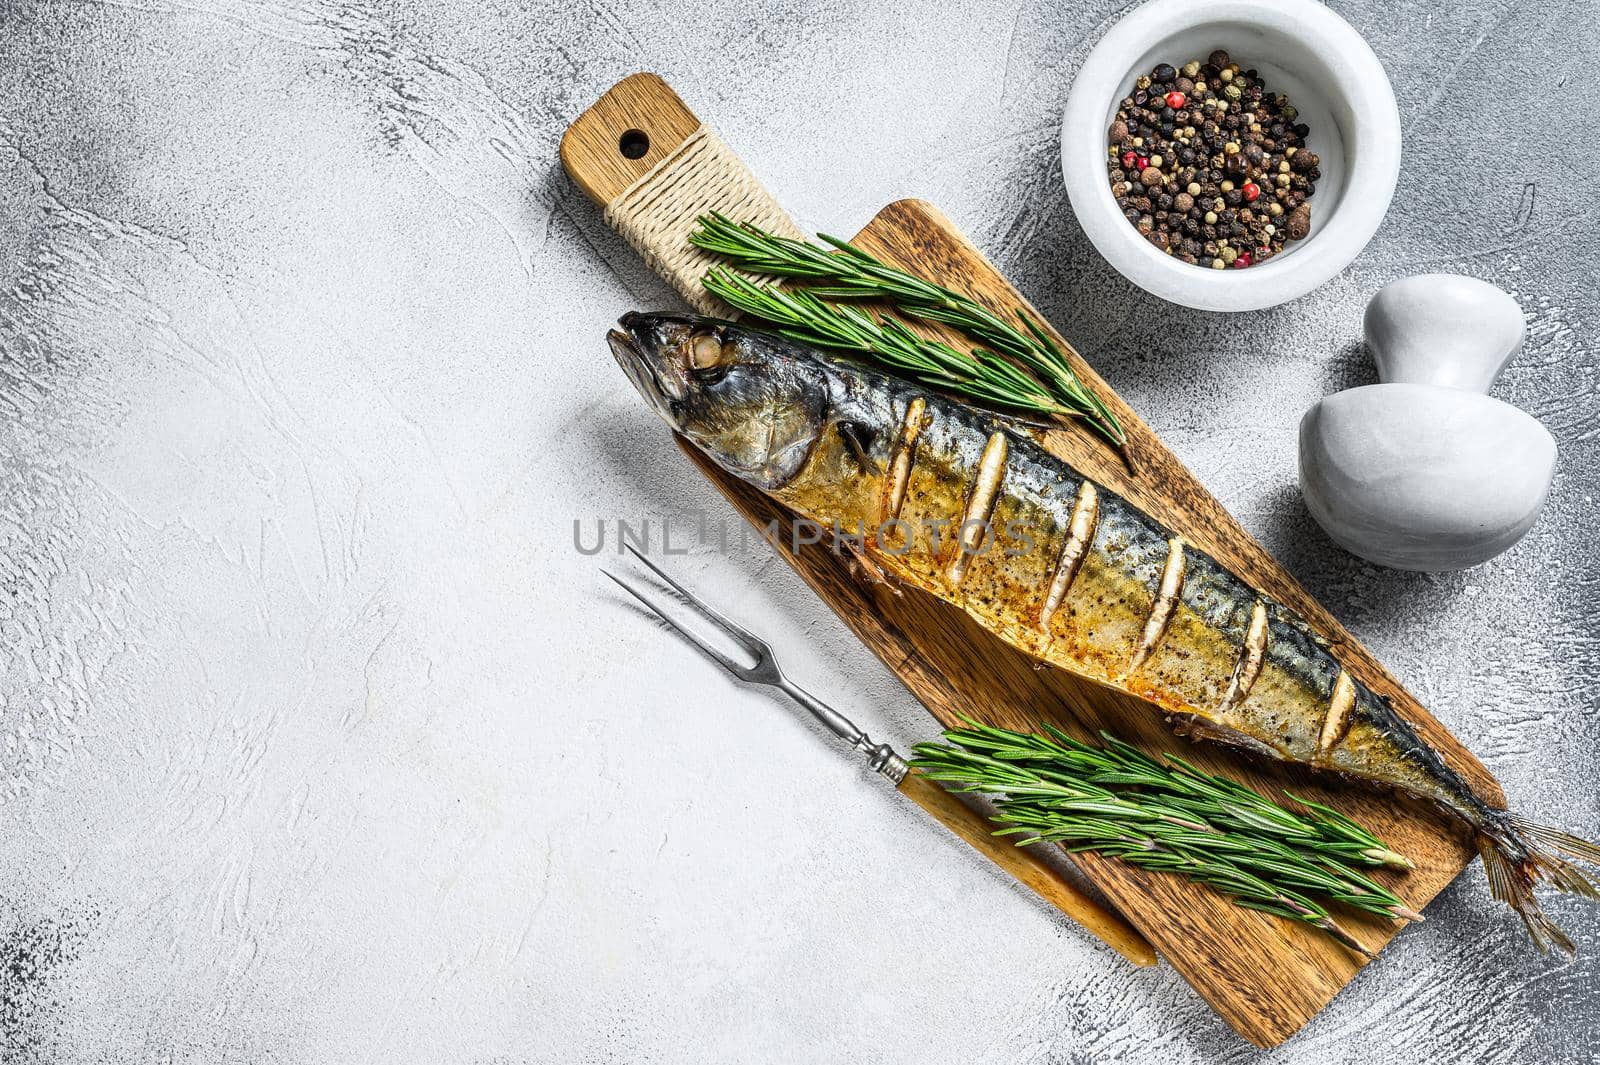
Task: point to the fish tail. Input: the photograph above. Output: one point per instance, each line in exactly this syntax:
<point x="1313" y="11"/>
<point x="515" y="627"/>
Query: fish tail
<point x="1517" y="855"/>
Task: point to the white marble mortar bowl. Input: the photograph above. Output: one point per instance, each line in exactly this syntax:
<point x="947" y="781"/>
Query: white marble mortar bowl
<point x="1300" y="48"/>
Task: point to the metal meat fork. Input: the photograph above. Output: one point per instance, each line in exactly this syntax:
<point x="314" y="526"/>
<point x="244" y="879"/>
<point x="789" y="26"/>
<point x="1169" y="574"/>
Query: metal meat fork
<point x="945" y="807"/>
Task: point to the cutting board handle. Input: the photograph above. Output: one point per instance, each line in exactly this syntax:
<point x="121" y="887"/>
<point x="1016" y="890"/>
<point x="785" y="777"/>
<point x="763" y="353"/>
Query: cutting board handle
<point x="654" y="167"/>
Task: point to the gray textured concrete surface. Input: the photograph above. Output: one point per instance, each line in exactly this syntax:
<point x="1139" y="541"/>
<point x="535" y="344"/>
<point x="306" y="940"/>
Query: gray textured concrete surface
<point x="320" y="742"/>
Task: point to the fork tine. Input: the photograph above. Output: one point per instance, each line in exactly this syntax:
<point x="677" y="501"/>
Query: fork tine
<point x="752" y="643"/>
<point x="693" y="637"/>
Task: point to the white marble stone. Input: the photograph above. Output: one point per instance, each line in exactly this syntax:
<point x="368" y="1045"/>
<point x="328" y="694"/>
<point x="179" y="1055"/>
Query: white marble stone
<point x="1443" y="329"/>
<point x="1423" y="471"/>
<point x="1421" y="477"/>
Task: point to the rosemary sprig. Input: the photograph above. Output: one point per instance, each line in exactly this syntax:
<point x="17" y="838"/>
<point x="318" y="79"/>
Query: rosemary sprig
<point x="1224" y="802"/>
<point x="800" y="315"/>
<point x="1117" y="801"/>
<point x="1157" y="850"/>
<point x="847" y="273"/>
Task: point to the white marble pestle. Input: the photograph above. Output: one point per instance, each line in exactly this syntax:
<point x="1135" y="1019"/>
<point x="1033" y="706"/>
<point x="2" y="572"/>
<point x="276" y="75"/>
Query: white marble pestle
<point x="1425" y="471"/>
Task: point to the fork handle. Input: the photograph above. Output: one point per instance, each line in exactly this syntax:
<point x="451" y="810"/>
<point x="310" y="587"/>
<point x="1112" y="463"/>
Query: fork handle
<point x="1022" y="864"/>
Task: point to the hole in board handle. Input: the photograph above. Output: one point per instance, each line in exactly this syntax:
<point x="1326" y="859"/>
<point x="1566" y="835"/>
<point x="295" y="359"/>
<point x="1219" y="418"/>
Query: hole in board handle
<point x="633" y="144"/>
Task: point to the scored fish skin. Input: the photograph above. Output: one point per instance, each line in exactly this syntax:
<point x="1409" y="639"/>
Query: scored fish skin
<point x="967" y="506"/>
<point x="1102" y="622"/>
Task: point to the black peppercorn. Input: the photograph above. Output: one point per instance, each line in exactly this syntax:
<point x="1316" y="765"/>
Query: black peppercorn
<point x="1228" y="130"/>
<point x="1299" y="223"/>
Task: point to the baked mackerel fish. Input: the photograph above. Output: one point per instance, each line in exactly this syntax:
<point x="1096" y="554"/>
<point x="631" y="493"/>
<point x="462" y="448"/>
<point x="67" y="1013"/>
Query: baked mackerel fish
<point x="965" y="505"/>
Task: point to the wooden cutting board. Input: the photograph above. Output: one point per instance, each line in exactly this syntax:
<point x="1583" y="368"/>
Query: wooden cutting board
<point x="1266" y="976"/>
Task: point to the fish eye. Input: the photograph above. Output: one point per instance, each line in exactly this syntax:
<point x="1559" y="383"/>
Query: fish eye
<point x="708" y="352"/>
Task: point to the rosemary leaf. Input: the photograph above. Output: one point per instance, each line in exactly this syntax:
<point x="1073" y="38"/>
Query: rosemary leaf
<point x="990" y="372"/>
<point x="800" y="315"/>
<point x="1168" y="815"/>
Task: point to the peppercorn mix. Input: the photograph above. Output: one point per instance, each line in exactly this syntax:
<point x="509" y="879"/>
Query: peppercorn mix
<point x="1209" y="166"/>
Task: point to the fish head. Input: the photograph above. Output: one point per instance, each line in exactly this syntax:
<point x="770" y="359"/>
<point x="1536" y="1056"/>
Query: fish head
<point x="751" y="401"/>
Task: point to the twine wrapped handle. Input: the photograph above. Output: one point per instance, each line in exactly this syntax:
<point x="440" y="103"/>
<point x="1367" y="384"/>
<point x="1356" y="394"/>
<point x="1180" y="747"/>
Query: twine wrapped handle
<point x="654" y="168"/>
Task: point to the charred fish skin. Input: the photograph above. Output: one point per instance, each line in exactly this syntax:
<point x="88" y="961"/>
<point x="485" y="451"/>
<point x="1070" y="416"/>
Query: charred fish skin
<point x="1114" y="607"/>
<point x="1112" y="624"/>
<point x="1102" y="589"/>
